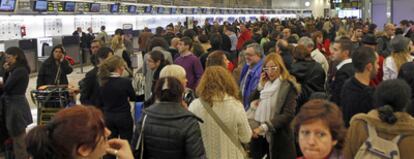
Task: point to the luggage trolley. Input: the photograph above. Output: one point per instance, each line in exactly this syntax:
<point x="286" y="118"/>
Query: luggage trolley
<point x="49" y="101"/>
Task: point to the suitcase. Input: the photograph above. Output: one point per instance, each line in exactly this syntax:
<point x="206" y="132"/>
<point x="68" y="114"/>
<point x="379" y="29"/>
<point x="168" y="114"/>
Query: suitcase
<point x="139" y="106"/>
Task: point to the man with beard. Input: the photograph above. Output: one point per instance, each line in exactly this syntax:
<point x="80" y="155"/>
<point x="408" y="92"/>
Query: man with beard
<point x="250" y="74"/>
<point x="357" y="94"/>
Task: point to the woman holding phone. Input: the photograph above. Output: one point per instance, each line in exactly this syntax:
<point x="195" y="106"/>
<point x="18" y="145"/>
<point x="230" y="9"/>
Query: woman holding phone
<point x="272" y="110"/>
<point x="13" y="102"/>
<point x="55" y="69"/>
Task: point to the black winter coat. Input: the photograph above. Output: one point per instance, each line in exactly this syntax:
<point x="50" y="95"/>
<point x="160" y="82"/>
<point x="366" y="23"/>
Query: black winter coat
<point x="15" y="112"/>
<point x="355" y="98"/>
<point x="89" y="88"/>
<point x="48" y="72"/>
<point x="226" y="45"/>
<point x="311" y="76"/>
<point x="170" y="131"/>
<point x="287" y="58"/>
<point x="344" y="73"/>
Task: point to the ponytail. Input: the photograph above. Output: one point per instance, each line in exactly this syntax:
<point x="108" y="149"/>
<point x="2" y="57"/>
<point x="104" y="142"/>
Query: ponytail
<point x="103" y="73"/>
<point x="386" y="114"/>
<point x="107" y="66"/>
<point x="39" y="144"/>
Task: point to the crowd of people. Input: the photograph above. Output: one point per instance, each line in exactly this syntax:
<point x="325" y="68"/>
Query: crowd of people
<point x="296" y="88"/>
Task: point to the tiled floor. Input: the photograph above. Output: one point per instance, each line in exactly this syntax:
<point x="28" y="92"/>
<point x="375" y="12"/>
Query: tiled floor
<point x="73" y="78"/>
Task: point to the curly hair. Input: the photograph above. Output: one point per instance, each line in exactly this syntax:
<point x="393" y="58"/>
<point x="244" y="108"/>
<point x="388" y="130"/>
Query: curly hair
<point x="215" y="83"/>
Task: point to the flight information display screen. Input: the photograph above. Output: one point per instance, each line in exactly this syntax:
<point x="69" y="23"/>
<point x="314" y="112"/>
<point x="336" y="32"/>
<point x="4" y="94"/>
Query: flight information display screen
<point x="40" y="6"/>
<point x="7" y="5"/>
<point x="69" y="7"/>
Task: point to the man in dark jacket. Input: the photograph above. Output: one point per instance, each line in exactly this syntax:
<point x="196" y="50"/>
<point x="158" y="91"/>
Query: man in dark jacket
<point x="81" y="35"/>
<point x="226" y="42"/>
<point x="216" y="43"/>
<point x="169" y="34"/>
<point x="89" y="38"/>
<point x="406" y="27"/>
<point x="357" y="94"/>
<point x="89" y="87"/>
<point x="341" y="53"/>
<point x="284" y="49"/>
<point x="308" y="73"/>
<point x="384" y="45"/>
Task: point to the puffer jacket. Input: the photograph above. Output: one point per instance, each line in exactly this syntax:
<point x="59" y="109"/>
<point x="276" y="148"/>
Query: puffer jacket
<point x="311" y="77"/>
<point x="170" y="131"/>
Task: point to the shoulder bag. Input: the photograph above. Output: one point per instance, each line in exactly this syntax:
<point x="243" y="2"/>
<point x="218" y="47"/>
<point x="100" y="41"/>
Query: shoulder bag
<point x="225" y="129"/>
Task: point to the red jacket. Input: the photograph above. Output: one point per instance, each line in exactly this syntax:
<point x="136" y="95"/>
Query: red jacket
<point x="378" y="79"/>
<point x="244" y="36"/>
<point x="325" y="46"/>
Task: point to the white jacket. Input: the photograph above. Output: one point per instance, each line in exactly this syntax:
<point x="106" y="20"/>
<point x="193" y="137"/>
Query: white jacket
<point x="216" y="142"/>
<point x="390" y="68"/>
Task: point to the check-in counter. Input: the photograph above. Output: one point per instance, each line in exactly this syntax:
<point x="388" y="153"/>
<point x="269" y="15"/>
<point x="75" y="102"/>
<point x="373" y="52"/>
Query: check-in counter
<point x="72" y="47"/>
<point x="29" y="46"/>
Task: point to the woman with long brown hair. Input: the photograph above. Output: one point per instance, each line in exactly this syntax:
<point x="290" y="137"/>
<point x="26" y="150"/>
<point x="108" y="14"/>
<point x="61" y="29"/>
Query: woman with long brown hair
<point x="14" y="107"/>
<point x="219" y="92"/>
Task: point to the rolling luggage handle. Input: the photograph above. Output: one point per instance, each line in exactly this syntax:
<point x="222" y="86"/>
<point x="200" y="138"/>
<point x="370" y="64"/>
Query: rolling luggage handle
<point x="140" y="143"/>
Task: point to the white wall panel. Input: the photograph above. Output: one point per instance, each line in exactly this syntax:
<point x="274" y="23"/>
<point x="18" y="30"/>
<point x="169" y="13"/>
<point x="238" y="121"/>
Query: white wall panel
<point x="41" y="25"/>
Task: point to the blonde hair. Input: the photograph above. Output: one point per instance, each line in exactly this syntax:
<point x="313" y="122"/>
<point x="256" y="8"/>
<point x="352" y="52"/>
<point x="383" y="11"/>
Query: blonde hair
<point x="108" y="66"/>
<point x="401" y="58"/>
<point x="173" y="71"/>
<point x="215" y="83"/>
<point x="284" y="73"/>
<point x="117" y="42"/>
<point x="342" y="33"/>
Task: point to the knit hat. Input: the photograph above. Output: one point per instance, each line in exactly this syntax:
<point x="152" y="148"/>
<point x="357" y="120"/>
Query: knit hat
<point x="399" y="43"/>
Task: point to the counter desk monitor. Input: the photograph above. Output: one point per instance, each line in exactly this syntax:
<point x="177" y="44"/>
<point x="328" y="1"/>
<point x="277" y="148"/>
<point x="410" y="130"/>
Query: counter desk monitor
<point x="40" y="6"/>
<point x="148" y="9"/>
<point x="173" y="10"/>
<point x="7" y="5"/>
<point x="204" y="10"/>
<point x="160" y="10"/>
<point x="69" y="7"/>
<point x="132" y="9"/>
<point x="195" y="11"/>
<point x="95" y="7"/>
<point x="114" y="8"/>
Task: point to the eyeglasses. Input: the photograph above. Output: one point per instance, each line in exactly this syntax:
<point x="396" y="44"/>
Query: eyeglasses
<point x="272" y="68"/>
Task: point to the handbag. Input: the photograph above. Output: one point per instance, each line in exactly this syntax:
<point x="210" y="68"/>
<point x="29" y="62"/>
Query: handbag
<point x="140" y="143"/>
<point x="251" y="113"/>
<point x="138" y="83"/>
<point x="225" y="129"/>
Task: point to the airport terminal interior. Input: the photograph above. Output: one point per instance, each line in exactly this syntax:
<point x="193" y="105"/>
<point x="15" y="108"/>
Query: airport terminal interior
<point x="206" y="79"/>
